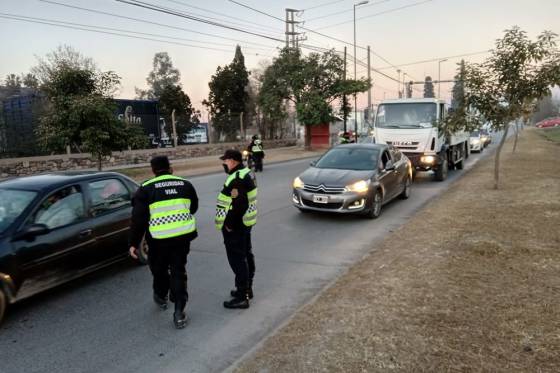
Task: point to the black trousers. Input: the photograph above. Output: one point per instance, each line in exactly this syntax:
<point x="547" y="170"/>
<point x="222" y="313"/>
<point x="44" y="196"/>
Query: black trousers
<point x="240" y="256"/>
<point x="168" y="266"/>
<point x="258" y="159"/>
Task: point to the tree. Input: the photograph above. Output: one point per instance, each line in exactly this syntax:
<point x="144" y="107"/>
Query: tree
<point x="312" y="83"/>
<point x="63" y="56"/>
<point x="458" y="98"/>
<point x="162" y="75"/>
<point x="228" y="96"/>
<point x="518" y="72"/>
<point x="30" y="81"/>
<point x="428" y="88"/>
<point x="81" y="113"/>
<point x="174" y="98"/>
<point x="13" y="84"/>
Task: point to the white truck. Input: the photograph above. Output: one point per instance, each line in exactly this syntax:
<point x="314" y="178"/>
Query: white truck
<point x="411" y="125"/>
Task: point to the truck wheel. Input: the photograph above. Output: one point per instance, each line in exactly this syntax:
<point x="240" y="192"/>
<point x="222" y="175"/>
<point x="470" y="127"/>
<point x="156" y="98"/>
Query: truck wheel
<point x="461" y="164"/>
<point x="467" y="150"/>
<point x="3" y="304"/>
<point x="375" y="206"/>
<point x="443" y="168"/>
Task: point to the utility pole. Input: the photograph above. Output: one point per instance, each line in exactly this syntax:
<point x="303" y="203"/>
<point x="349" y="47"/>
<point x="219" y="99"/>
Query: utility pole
<point x="292" y="36"/>
<point x="399" y="84"/>
<point x="344" y="99"/>
<point x="370" y="82"/>
<point x="174" y="127"/>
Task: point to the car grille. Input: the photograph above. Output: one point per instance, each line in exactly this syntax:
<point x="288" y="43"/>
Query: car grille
<point x="329" y="205"/>
<point x="323" y="189"/>
<point x="406" y="145"/>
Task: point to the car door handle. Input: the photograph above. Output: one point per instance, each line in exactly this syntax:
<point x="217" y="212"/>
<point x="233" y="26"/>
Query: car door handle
<point x="86" y="233"/>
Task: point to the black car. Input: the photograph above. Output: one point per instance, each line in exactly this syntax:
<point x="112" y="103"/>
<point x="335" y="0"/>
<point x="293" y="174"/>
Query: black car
<point x="354" y="178"/>
<point x="56" y="227"/>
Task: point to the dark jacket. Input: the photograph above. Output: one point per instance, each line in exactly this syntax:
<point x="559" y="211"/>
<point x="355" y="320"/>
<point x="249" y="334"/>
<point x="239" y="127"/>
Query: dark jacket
<point x="240" y="203"/>
<point x="154" y="192"/>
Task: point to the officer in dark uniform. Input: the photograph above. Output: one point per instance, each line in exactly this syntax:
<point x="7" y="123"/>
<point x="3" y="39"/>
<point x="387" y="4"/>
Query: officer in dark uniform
<point x="163" y="209"/>
<point x="236" y="213"/>
<point x="256" y="150"/>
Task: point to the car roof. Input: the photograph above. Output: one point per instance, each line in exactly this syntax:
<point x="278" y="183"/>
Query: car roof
<point x="53" y="180"/>
<point x="364" y="146"/>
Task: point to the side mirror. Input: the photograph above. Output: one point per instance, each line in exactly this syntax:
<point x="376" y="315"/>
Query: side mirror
<point x="33" y="231"/>
<point x="312" y="163"/>
<point x="389" y="166"/>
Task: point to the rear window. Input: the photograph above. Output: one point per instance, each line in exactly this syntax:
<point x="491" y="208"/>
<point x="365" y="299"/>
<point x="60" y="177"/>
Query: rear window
<point x="12" y="204"/>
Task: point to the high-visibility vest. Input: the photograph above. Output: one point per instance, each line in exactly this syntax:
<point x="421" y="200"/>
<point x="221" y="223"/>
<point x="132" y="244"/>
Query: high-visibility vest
<point x="257" y="147"/>
<point x="170" y="217"/>
<point x="224" y="202"/>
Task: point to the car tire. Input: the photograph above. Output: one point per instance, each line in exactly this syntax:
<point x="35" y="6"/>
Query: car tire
<point x="467" y="150"/>
<point x="442" y="170"/>
<point x="406" y="190"/>
<point x="374" y="210"/>
<point x="143" y="253"/>
<point x="3" y="304"/>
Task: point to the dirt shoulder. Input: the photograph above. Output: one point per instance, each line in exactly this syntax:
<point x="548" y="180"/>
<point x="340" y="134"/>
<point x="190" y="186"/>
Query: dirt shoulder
<point x="471" y="283"/>
<point x="206" y="165"/>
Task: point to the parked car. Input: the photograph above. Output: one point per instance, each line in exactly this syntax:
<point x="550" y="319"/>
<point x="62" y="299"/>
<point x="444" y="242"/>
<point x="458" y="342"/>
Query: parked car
<point x="547" y="123"/>
<point x="476" y="142"/>
<point x="59" y="226"/>
<point x="354" y="178"/>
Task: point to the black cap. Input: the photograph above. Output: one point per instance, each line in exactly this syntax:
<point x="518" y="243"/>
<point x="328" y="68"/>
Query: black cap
<point x="232" y="154"/>
<point x="160" y="163"/>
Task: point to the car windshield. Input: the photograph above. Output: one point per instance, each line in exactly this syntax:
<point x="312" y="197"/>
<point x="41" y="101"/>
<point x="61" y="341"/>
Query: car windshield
<point x="410" y="115"/>
<point x="12" y="204"/>
<point x="349" y="158"/>
<point x="475" y="134"/>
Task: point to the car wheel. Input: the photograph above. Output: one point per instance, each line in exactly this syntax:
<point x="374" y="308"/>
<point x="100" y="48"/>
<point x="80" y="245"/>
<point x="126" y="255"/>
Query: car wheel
<point x="3" y="304"/>
<point x="406" y="189"/>
<point x="441" y="172"/>
<point x="143" y="252"/>
<point x="375" y="206"/>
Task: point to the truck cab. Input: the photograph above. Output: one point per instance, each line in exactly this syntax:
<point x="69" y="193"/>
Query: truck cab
<point x="411" y="125"/>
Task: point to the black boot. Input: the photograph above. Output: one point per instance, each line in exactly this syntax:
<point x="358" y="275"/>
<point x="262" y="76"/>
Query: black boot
<point x="179" y="319"/>
<point x="238" y="302"/>
<point x="235" y="293"/>
<point x="161" y="302"/>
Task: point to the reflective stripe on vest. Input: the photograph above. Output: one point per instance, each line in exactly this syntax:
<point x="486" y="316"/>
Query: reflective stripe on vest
<point x="172" y="217"/>
<point x="224" y="203"/>
<point x="256" y="148"/>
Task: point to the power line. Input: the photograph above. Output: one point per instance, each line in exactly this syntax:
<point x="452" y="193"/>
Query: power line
<point x="344" y="11"/>
<point x="198" y="19"/>
<point x="50" y="23"/>
<point x="436" y="59"/>
<point x="54" y="21"/>
<point x="225" y="15"/>
<point x="376" y="14"/>
<point x="256" y="10"/>
<point x="152" y="23"/>
<point x="325" y="4"/>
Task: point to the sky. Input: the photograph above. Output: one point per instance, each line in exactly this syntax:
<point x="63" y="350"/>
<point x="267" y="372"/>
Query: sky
<point x="398" y="32"/>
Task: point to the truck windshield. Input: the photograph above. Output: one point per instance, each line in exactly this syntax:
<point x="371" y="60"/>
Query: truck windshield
<point x="409" y="115"/>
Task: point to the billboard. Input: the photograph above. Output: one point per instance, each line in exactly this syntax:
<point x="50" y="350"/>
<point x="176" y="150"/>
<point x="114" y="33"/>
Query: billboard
<point x="196" y="135"/>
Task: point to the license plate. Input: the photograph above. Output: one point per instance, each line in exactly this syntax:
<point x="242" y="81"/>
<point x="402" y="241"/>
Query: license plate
<point x="320" y="199"/>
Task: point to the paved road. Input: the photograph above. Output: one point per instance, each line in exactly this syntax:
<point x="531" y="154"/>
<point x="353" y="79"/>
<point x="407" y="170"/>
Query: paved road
<point x="107" y="322"/>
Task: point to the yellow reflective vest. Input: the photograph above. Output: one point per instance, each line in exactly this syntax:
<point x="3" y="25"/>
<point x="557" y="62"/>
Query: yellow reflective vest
<point x="225" y="200"/>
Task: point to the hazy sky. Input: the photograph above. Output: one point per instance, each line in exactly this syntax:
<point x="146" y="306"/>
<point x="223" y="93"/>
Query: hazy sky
<point x="429" y="30"/>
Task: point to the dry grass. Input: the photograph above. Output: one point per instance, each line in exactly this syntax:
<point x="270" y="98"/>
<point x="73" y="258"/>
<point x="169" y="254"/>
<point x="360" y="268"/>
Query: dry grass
<point x="470" y="284"/>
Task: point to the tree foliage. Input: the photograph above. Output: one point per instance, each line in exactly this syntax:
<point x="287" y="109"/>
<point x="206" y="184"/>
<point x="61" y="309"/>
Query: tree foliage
<point x="64" y="56"/>
<point x="518" y="72"/>
<point x="312" y="83"/>
<point x="163" y="74"/>
<point x="228" y="95"/>
<point x="174" y="98"/>
<point x="429" y="88"/>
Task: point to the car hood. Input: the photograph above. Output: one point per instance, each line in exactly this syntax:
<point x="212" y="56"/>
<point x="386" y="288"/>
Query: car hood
<point x="334" y="177"/>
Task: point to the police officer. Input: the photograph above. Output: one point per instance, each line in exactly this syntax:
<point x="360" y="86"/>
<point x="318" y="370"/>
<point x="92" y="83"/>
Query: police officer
<point x="236" y="213"/>
<point x="163" y="209"/>
<point x="256" y="150"/>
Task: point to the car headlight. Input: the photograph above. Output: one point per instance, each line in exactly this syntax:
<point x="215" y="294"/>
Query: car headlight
<point x="245" y="153"/>
<point x="361" y="186"/>
<point x="298" y="184"/>
<point x="428" y="159"/>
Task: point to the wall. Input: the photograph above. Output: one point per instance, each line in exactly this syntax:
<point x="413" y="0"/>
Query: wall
<point x="33" y="165"/>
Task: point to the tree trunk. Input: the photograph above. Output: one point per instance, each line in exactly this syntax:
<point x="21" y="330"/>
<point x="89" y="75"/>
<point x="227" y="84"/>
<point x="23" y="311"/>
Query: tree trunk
<point x="307" y="137"/>
<point x="99" y="162"/>
<point x="497" y="159"/>
<point x="516" y="136"/>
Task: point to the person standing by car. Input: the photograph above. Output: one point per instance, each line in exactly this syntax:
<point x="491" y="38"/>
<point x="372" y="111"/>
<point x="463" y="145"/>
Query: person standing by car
<point x="163" y="209"/>
<point x="256" y="151"/>
<point x="236" y="213"/>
